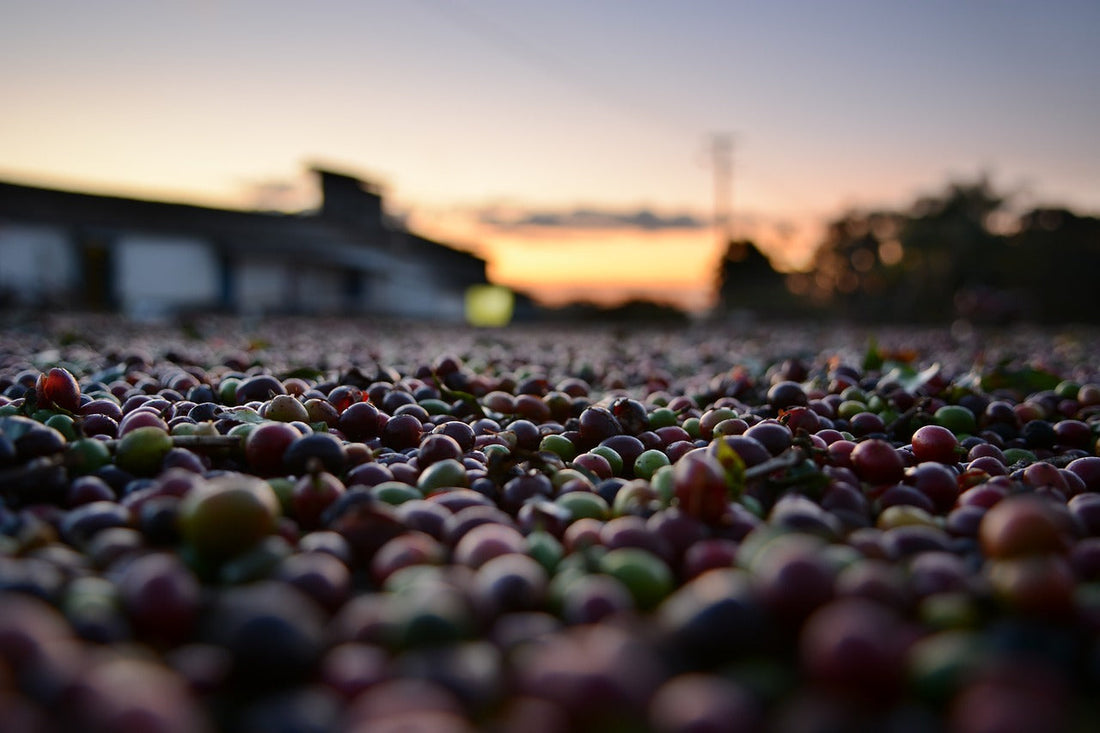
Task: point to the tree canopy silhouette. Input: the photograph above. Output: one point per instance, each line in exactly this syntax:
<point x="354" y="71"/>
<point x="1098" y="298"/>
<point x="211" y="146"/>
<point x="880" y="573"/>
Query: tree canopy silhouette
<point x="958" y="254"/>
<point x="748" y="283"/>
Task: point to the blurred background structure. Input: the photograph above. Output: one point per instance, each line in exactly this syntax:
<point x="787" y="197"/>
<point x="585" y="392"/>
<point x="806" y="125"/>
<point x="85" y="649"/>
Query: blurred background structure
<point x="952" y="255"/>
<point x="153" y="259"/>
<point x="855" y="158"/>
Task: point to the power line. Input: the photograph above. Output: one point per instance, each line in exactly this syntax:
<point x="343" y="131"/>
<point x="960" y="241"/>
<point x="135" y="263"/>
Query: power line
<point x="522" y="49"/>
<point x="722" y="162"/>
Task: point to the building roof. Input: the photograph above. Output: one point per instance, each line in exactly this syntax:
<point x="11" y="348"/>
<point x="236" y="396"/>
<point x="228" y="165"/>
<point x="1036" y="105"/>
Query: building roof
<point x="366" y="244"/>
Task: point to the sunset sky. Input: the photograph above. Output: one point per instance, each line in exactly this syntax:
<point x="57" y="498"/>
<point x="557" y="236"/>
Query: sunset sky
<point x="568" y="142"/>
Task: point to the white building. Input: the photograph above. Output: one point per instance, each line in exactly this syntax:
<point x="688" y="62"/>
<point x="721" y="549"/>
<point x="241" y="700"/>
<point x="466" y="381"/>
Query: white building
<point x="151" y="258"/>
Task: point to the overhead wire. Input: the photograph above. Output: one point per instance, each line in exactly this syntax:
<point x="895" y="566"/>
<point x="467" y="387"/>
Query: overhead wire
<point x="523" y="49"/>
<point x="531" y="54"/>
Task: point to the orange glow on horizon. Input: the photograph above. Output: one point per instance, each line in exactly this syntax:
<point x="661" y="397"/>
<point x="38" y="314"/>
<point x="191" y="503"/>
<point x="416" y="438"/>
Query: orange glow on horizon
<point x="555" y="265"/>
<point x="473" y="124"/>
<point x="560" y="265"/>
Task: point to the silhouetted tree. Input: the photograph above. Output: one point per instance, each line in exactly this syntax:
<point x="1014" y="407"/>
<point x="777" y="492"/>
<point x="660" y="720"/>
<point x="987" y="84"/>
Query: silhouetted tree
<point x="951" y="246"/>
<point x="747" y="282"/>
<point x="953" y="254"/>
<point x="859" y="263"/>
<point x="909" y="265"/>
<point x="637" y="311"/>
<point x="1050" y="266"/>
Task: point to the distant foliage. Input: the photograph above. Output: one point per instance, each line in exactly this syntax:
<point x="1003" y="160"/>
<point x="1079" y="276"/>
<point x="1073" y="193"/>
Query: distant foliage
<point x="957" y="255"/>
<point x="630" y="312"/>
<point x="748" y="284"/>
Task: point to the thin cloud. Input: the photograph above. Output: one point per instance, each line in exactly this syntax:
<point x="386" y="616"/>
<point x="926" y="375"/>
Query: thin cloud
<point x="592" y="219"/>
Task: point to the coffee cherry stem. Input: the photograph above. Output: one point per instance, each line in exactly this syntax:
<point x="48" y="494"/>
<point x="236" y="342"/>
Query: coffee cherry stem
<point x="788" y="459"/>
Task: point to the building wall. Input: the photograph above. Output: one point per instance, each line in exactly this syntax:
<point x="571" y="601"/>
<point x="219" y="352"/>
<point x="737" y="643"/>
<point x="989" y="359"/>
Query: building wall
<point x="416" y="290"/>
<point x="37" y="263"/>
<point x="145" y="267"/>
<point x="282" y="286"/>
<point x="321" y="290"/>
<point x="262" y="285"/>
<point x="154" y="276"/>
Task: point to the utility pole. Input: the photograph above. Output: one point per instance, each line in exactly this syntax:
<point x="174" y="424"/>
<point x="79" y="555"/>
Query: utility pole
<point x="721" y="151"/>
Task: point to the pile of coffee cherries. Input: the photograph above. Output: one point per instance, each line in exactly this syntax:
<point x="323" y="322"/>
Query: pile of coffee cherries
<point x="301" y="525"/>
